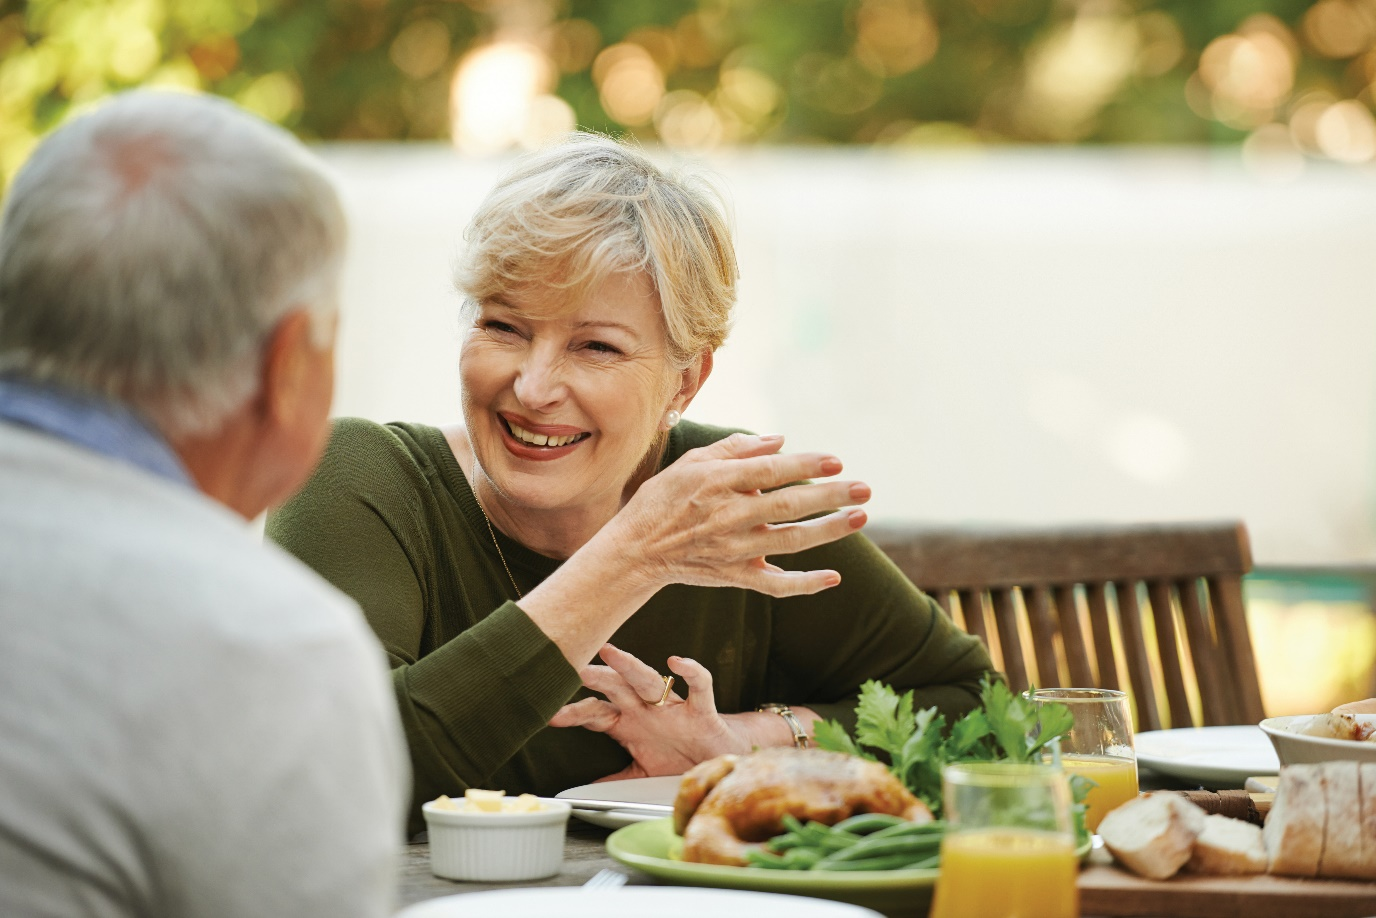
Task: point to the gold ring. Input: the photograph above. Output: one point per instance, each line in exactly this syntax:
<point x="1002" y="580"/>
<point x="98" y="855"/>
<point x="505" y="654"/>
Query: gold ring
<point x="668" y="684"/>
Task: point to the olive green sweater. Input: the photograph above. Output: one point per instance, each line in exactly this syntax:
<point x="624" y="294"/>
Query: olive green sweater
<point x="390" y="519"/>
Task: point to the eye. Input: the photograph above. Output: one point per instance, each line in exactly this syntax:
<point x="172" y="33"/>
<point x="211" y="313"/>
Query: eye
<point x="501" y="328"/>
<point x="602" y="347"/>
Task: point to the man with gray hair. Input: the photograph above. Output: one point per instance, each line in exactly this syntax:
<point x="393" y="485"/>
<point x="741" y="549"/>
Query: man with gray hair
<point x="191" y="722"/>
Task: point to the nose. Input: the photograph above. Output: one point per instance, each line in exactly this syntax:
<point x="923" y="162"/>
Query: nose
<point x="540" y="382"/>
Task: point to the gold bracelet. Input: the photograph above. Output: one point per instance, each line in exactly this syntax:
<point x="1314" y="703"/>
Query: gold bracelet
<point x="800" y="738"/>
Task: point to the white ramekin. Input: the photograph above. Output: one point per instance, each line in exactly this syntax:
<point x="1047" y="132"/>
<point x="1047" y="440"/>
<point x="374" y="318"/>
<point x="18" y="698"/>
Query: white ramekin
<point x="495" y="847"/>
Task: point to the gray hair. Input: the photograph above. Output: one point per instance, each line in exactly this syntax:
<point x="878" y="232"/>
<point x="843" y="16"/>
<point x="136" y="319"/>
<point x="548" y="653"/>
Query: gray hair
<point x="148" y="249"/>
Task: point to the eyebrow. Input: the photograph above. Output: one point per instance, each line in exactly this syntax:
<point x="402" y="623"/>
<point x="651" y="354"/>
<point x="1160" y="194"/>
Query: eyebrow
<point x="595" y="323"/>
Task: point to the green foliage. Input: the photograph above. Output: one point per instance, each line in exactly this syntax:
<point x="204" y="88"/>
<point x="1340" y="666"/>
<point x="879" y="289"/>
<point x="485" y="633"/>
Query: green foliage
<point x="781" y="71"/>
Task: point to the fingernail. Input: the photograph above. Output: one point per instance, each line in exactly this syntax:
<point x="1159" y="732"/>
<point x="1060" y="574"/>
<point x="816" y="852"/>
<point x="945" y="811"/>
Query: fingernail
<point x="831" y="465"/>
<point x="771" y="438"/>
<point x="860" y="491"/>
<point x="833" y="580"/>
<point x="857" y="518"/>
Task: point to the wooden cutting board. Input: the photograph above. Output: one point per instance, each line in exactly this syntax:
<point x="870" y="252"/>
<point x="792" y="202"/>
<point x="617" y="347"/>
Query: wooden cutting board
<point x="1109" y="891"/>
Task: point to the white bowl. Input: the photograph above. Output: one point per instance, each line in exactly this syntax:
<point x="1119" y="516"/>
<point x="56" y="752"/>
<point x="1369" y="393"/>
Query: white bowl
<point x="1298" y="749"/>
<point x="496" y="847"/>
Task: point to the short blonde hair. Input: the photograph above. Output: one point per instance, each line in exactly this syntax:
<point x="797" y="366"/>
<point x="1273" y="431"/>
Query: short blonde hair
<point x="572" y="214"/>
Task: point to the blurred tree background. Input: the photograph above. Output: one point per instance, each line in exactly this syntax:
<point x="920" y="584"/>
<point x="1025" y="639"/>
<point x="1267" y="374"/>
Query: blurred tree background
<point x="1295" y="75"/>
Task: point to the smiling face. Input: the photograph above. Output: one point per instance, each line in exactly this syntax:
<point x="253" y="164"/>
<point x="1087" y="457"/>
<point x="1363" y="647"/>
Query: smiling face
<point x="561" y="407"/>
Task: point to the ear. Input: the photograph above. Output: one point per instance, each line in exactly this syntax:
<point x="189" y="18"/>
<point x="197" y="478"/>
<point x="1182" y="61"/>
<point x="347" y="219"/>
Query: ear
<point x="286" y="371"/>
<point x="691" y="380"/>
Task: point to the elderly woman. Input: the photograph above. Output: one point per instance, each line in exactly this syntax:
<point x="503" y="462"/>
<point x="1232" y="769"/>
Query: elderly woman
<point x="573" y="507"/>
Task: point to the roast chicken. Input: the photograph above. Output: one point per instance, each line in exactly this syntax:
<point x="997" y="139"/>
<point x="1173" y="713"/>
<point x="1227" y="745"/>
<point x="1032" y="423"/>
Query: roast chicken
<point x="730" y="804"/>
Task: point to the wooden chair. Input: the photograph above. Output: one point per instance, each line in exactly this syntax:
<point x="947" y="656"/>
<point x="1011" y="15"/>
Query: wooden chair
<point x="1075" y="607"/>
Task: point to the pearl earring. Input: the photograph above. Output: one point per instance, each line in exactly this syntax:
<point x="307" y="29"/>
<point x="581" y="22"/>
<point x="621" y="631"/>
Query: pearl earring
<point x="671" y="418"/>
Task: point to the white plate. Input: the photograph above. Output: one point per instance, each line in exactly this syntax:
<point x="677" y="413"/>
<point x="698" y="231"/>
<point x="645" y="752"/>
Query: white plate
<point x="1216" y="757"/>
<point x="632" y="790"/>
<point x="632" y="902"/>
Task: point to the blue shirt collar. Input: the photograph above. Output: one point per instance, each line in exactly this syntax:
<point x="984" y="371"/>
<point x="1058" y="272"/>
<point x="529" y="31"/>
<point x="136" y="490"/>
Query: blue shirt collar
<point x="95" y="423"/>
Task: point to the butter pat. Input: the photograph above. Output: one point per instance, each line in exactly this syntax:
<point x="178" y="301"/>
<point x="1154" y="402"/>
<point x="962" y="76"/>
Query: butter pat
<point x="483" y="801"/>
<point x="526" y="803"/>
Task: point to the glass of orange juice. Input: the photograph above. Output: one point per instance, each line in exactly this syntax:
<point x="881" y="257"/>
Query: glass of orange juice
<point x="1009" y="849"/>
<point x="1099" y="746"/>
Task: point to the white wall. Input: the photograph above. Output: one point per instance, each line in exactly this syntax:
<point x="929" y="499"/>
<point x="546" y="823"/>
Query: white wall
<point x="998" y="336"/>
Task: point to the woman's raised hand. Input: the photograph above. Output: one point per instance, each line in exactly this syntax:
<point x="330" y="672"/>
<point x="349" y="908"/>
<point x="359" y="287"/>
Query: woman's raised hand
<point x="663" y="739"/>
<point x="713" y="517"/>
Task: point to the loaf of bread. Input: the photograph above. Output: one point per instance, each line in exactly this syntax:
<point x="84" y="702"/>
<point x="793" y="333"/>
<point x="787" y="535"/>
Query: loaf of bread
<point x="1228" y="846"/>
<point x="1295" y="826"/>
<point x="1323" y="822"/>
<point x="1153" y="835"/>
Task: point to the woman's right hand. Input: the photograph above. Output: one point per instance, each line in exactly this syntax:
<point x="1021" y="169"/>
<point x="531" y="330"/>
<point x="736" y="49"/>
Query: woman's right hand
<point x="714" y="516"/>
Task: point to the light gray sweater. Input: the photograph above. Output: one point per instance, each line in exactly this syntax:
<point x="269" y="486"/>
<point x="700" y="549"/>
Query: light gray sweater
<point x="191" y="722"/>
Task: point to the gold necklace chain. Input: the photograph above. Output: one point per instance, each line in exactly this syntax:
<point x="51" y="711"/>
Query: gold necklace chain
<point x="498" y="545"/>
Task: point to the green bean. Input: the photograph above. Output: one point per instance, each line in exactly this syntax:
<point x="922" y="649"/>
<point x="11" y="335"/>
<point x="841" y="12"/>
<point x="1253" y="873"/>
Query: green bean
<point x="816" y="834"/>
<point x="803" y="858"/>
<point x="782" y="843"/>
<point x="876" y="847"/>
<point x="766" y="860"/>
<point x="935" y="827"/>
<point x="887" y="862"/>
<point x="871" y="841"/>
<point x="865" y="823"/>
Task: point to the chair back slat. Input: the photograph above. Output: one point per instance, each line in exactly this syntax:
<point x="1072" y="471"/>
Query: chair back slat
<point x="963" y="558"/>
<point x="1096" y="595"/>
<point x="1010" y="642"/>
<point x="1214" y="697"/>
<point x="1072" y="637"/>
<point x="1044" y="635"/>
<point x="1226" y="595"/>
<point x="1135" y="653"/>
<point x="1199" y="668"/>
<point x="972" y="612"/>
<point x="1168" y="651"/>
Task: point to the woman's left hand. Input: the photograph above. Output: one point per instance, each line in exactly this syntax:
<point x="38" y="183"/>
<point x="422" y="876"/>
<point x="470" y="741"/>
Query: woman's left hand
<point x="665" y="739"/>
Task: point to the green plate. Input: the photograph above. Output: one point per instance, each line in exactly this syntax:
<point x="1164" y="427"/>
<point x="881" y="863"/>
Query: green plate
<point x="654" y="848"/>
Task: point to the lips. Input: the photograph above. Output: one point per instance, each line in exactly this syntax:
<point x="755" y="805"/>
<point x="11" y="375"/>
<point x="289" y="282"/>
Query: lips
<point x="540" y="442"/>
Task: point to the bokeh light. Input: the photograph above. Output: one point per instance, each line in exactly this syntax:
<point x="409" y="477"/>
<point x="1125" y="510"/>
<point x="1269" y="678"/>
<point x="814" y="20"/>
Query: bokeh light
<point x="1249" y="73"/>
<point x="501" y="99"/>
<point x="629" y="82"/>
<point x="1345" y="131"/>
<point x="1340" y="28"/>
<point x="897" y="35"/>
<point x="421" y="49"/>
<point x="1074" y="71"/>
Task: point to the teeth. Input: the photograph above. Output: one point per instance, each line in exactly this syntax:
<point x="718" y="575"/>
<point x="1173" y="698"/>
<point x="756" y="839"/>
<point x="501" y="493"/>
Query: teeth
<point x="525" y="436"/>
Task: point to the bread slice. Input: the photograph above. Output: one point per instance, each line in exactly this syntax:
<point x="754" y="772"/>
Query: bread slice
<point x="1153" y="835"/>
<point x="1294" y="828"/>
<point x="1366" y="815"/>
<point x="1342" y="835"/>
<point x="1228" y="846"/>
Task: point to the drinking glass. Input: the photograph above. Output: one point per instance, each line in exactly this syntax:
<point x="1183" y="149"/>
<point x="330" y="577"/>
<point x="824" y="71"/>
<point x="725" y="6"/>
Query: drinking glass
<point x="1009" y="849"/>
<point x="1099" y="746"/>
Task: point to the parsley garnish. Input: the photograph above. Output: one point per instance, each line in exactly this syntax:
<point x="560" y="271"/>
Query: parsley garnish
<point x="1006" y="727"/>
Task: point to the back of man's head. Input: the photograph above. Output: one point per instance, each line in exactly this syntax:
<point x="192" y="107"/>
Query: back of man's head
<point x="149" y="248"/>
